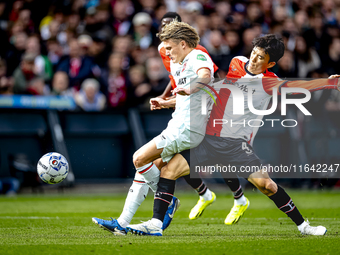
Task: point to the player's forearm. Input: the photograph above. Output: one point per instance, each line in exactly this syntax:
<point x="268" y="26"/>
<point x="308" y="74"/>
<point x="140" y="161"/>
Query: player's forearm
<point x="204" y="77"/>
<point x="169" y="103"/>
<point x="313" y="85"/>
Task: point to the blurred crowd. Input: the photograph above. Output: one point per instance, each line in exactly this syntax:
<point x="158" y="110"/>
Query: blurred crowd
<point x="104" y="53"/>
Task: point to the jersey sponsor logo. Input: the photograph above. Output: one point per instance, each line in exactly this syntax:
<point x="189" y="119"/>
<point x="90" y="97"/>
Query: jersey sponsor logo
<point x="178" y="73"/>
<point x="244" y="87"/>
<point x="233" y="69"/>
<point x="201" y="57"/>
<point x="182" y="81"/>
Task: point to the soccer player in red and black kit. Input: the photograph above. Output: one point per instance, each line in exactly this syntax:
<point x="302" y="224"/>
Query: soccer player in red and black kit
<point x="207" y="197"/>
<point x="228" y="145"/>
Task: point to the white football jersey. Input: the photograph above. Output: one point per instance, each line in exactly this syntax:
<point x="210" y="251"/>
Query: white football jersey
<point x="184" y="75"/>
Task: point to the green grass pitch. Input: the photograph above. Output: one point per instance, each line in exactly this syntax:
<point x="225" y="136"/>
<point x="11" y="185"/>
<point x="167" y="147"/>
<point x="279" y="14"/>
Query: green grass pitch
<point x="61" y="224"/>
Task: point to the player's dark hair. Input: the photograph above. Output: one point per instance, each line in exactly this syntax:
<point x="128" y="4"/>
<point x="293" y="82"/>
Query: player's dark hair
<point x="173" y="15"/>
<point x="272" y="44"/>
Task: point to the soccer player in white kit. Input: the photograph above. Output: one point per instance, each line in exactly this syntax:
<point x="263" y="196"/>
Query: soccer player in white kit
<point x="231" y="145"/>
<point x="188" y="66"/>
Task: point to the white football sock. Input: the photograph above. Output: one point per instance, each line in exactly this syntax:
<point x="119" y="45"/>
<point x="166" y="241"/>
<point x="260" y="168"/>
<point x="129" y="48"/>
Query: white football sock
<point x="137" y="194"/>
<point x="156" y="222"/>
<point x="151" y="175"/>
<point x="240" y="201"/>
<point x="207" y="195"/>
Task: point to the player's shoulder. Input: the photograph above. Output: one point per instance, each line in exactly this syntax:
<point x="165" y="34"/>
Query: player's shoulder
<point x="240" y="59"/>
<point x="199" y="55"/>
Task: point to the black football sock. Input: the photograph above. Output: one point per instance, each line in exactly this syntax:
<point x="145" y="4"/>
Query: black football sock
<point x="235" y="187"/>
<point x="163" y="197"/>
<point x="197" y="184"/>
<point x="283" y="201"/>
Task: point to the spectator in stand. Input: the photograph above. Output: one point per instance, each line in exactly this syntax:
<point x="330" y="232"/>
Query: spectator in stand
<point x="331" y="59"/>
<point x="254" y="15"/>
<point x="248" y="36"/>
<point x="123" y="45"/>
<point x="232" y="39"/>
<point x="143" y="33"/>
<point x="6" y="83"/>
<point x="55" y="52"/>
<point x="316" y="36"/>
<point x="17" y="49"/>
<point x="17" y="6"/>
<point x="138" y="85"/>
<point x="89" y="98"/>
<point x="25" y="18"/>
<point x="100" y="49"/>
<point x="85" y="43"/>
<point x="37" y="87"/>
<point x="121" y="11"/>
<point x="219" y="51"/>
<point x="51" y="30"/>
<point x="42" y="65"/>
<point x="116" y="81"/>
<point x="202" y="27"/>
<point x="96" y="20"/>
<point x="77" y="67"/>
<point x="157" y="77"/>
<point x="75" y="23"/>
<point x="151" y="85"/>
<point x="60" y="85"/>
<point x="286" y="66"/>
<point x="216" y="22"/>
<point x="24" y="74"/>
<point x="306" y="58"/>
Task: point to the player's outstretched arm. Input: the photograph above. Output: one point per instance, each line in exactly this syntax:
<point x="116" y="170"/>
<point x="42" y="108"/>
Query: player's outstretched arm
<point x="332" y="82"/>
<point x="204" y="77"/>
<point x="158" y="103"/>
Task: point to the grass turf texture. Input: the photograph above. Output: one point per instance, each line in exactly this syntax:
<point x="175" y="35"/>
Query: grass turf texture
<point x="61" y="224"/>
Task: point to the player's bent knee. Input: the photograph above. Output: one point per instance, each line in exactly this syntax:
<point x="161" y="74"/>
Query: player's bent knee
<point x="138" y="159"/>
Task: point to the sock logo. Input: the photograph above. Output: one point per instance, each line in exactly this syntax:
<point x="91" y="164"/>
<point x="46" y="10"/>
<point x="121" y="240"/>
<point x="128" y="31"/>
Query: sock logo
<point x="288" y="207"/>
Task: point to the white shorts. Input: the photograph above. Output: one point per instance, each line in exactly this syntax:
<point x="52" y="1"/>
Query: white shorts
<point x="175" y="140"/>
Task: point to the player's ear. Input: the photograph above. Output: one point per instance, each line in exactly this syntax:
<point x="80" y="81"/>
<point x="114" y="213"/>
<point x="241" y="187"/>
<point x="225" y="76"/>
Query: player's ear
<point x="183" y="44"/>
<point x="271" y="64"/>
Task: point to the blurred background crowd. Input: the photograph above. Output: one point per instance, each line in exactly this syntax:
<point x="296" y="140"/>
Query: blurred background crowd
<point x="104" y="52"/>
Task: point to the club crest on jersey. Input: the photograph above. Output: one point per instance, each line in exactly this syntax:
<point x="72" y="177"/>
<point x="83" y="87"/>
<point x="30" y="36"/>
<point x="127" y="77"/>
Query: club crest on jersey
<point x="184" y="66"/>
<point x="201" y="57"/>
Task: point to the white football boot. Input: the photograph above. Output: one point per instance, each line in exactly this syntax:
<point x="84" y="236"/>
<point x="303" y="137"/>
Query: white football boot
<point x="306" y="229"/>
<point x="145" y="228"/>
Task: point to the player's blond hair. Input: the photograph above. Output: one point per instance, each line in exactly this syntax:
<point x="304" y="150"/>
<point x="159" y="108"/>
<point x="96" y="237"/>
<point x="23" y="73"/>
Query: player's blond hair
<point x="180" y="31"/>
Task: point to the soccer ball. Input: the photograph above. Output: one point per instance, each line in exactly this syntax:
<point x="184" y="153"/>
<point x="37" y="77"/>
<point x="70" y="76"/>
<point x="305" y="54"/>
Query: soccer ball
<point x="52" y="168"/>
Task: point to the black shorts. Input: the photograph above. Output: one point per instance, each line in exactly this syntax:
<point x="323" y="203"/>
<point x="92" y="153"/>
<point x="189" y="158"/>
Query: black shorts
<point x="236" y="155"/>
